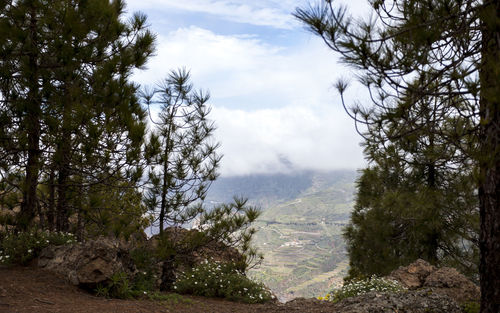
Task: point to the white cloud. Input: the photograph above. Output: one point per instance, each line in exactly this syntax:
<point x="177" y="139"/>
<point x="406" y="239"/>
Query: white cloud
<point x="272" y="13"/>
<point x="285" y="139"/>
<point x="243" y="67"/>
<point x="270" y="103"/>
<point x="262" y="13"/>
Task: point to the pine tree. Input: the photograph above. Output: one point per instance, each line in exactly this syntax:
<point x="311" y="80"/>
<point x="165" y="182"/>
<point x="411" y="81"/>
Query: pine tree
<point x="415" y="190"/>
<point x="442" y="49"/>
<point x="21" y="95"/>
<point x="181" y="150"/>
<point x="72" y="117"/>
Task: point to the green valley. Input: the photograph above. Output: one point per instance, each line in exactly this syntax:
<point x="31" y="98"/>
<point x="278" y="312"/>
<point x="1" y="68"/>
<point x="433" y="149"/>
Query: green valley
<point x="300" y="229"/>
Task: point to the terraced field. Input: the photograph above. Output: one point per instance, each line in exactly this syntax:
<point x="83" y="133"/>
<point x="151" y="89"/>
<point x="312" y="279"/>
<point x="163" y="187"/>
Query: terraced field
<point x="301" y="235"/>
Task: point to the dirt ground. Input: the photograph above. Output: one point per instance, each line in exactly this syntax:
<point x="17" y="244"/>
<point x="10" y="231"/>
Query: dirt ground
<point x="33" y="290"/>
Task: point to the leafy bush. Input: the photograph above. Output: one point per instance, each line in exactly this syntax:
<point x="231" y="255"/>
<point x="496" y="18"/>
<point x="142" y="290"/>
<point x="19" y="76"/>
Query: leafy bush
<point x="216" y="279"/>
<point x="359" y="287"/>
<point x="22" y="247"/>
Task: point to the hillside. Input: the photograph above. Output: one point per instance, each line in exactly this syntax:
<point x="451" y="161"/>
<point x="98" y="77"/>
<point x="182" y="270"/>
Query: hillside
<point x="299" y="229"/>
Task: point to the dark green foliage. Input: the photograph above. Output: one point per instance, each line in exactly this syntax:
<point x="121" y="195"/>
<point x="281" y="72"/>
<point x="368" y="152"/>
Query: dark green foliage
<point x="220" y="228"/>
<point x="116" y="212"/>
<point x="414" y="201"/>
<point x="73" y="124"/>
<point x="231" y="224"/>
<point x="396" y="219"/>
<point x="118" y="287"/>
<point x="181" y="151"/>
<point x="145" y="261"/>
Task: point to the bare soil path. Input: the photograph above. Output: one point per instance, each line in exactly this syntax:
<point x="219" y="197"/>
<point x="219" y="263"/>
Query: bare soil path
<point x="33" y="290"/>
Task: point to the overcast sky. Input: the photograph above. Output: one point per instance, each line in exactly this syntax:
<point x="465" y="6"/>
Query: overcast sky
<point x="270" y="81"/>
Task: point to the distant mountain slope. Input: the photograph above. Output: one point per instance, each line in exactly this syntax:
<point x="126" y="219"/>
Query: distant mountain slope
<point x="266" y="189"/>
<point x="300" y="227"/>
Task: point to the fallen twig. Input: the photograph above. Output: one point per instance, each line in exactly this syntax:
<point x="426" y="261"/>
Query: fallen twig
<point x="44" y="301"/>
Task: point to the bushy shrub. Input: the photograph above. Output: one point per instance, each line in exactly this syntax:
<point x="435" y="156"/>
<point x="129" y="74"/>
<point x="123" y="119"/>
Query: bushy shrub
<point x="22" y="247"/>
<point x="145" y="279"/>
<point x="118" y="287"/>
<point x="216" y="279"/>
<point x="359" y="287"/>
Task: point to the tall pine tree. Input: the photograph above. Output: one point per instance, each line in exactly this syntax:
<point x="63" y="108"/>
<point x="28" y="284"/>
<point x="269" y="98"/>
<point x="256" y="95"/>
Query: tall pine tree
<point x="182" y="151"/>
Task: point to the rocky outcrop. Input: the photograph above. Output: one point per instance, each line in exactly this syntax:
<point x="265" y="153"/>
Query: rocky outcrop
<point x="430" y="289"/>
<point x="413" y="276"/>
<point x="88" y="264"/>
<point x="413" y="301"/>
<point x="95" y="261"/>
<point x="444" y="281"/>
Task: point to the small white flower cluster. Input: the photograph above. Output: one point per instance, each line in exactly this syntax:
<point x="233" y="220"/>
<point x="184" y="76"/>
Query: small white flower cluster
<point x="215" y="279"/>
<point x="4" y="258"/>
<point x="356" y="288"/>
<point x="23" y="246"/>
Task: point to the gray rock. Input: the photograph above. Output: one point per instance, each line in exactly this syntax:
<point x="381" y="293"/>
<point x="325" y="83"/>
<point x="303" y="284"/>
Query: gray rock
<point x="412" y="301"/>
<point x="413" y="276"/>
<point x="445" y="281"/>
<point x="88" y="264"/>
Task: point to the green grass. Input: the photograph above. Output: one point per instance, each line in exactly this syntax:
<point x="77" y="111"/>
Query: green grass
<point x="170" y="298"/>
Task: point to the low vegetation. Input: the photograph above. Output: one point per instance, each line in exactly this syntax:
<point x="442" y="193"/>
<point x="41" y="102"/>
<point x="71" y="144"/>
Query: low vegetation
<point x="358" y="287"/>
<point x="22" y="247"/>
<point x="216" y="279"/>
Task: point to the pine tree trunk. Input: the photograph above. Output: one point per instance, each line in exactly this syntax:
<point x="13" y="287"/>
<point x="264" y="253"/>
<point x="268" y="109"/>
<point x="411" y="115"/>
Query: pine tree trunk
<point x="164" y="191"/>
<point x="28" y="207"/>
<point x="166" y="160"/>
<point x="62" y="221"/>
<point x="489" y="188"/>
<point x="64" y="157"/>
<point x="32" y="124"/>
<point x="52" y="198"/>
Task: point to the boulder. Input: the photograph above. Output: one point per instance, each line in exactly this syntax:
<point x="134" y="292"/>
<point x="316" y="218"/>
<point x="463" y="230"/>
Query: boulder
<point x="413" y="276"/>
<point x="450" y="282"/>
<point x="90" y="263"/>
<point x="445" y="281"/>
